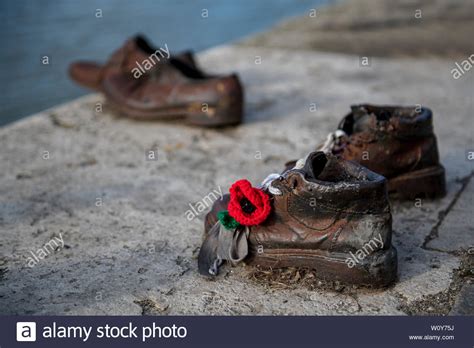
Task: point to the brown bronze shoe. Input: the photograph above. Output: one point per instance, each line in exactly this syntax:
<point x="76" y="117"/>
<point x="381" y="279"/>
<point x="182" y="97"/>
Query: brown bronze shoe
<point x="396" y="142"/>
<point x="144" y="83"/>
<point x="199" y="99"/>
<point x="331" y="215"/>
<point x="124" y="60"/>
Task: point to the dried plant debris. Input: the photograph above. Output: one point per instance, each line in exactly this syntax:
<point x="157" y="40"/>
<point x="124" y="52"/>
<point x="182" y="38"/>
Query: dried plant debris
<point x="442" y="302"/>
<point x="292" y="278"/>
<point x="151" y="307"/>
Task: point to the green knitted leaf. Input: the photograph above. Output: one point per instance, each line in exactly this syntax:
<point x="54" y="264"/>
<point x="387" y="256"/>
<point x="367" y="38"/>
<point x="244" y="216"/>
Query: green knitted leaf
<point x="226" y="220"/>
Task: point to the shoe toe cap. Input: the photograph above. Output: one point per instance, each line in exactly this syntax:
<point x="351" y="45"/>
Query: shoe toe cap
<point x="87" y="74"/>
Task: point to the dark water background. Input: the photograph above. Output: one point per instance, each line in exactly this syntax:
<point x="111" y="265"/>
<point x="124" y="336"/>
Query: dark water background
<point x="68" y="30"/>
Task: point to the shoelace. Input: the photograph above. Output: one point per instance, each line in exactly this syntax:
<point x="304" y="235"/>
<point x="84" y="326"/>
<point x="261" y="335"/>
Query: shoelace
<point x="266" y="184"/>
<point x="332" y="140"/>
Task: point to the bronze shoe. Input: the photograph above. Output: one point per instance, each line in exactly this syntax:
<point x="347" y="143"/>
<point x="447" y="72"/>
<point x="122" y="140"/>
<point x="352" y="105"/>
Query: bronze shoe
<point x="124" y="60"/>
<point x="330" y="215"/>
<point x="396" y="142"/>
<point x="167" y="88"/>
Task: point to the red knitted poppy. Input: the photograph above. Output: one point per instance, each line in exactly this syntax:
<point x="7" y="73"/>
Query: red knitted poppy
<point x="259" y="199"/>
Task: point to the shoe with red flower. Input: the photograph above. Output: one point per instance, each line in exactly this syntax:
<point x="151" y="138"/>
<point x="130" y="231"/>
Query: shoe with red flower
<point x="330" y="215"/>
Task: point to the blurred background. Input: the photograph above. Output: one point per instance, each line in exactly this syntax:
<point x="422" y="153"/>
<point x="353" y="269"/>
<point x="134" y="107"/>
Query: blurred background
<point x="68" y="30"/>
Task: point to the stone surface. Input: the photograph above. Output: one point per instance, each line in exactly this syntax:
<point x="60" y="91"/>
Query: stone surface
<point x="421" y="28"/>
<point x="82" y="176"/>
<point x="457" y="230"/>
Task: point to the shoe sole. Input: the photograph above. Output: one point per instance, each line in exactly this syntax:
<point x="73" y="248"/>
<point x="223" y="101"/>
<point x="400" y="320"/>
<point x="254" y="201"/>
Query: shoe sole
<point x="424" y="183"/>
<point x="213" y="117"/>
<point x="378" y="269"/>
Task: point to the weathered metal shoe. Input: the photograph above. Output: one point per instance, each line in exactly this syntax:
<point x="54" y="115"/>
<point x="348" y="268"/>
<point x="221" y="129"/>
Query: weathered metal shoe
<point x="396" y="142"/>
<point x="329" y="214"/>
<point x="144" y="83"/>
<point x="128" y="60"/>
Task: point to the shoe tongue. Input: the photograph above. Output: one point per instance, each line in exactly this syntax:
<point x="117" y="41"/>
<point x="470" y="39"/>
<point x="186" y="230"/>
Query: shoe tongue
<point x="314" y="165"/>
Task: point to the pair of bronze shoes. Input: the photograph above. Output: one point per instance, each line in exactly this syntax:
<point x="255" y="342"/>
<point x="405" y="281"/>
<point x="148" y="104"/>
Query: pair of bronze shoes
<point x="330" y="210"/>
<point x="147" y="83"/>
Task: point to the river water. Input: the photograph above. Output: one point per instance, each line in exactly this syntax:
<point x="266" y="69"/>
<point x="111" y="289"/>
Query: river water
<point x="68" y="30"/>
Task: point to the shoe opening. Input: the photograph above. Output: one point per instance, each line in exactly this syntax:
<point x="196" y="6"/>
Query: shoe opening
<point x="321" y="167"/>
<point x="142" y="43"/>
<point x="187" y="70"/>
<point x="315" y="164"/>
<point x="362" y="116"/>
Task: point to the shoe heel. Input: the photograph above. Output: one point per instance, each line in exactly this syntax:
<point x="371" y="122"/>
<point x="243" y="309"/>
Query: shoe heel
<point x="424" y="183"/>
